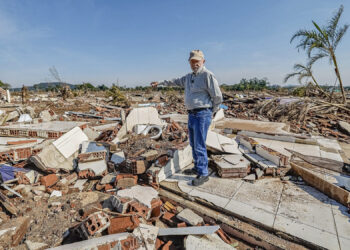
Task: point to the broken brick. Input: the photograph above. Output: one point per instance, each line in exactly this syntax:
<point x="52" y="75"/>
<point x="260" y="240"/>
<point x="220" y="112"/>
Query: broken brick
<point x="138" y="167"/>
<point x="86" y="174"/>
<point x="125" y="180"/>
<point x="168" y="245"/>
<point x="130" y="243"/>
<point x="49" y="180"/>
<point x="163" y="160"/>
<point x="224" y="236"/>
<point x="182" y="224"/>
<point x="123" y="224"/>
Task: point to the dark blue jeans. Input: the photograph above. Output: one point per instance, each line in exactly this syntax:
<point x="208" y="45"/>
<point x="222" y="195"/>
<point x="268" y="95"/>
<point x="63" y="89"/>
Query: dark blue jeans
<point x="198" y="125"/>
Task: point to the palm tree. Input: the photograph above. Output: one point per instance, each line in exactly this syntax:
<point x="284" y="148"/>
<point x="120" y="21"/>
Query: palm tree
<point x="325" y="41"/>
<point x="302" y="72"/>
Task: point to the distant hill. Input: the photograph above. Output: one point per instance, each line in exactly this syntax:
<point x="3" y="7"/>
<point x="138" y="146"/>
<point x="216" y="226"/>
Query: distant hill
<point x="45" y="86"/>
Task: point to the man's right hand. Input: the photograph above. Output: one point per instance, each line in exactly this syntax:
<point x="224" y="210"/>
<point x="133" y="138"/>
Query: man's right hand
<point x="154" y="84"/>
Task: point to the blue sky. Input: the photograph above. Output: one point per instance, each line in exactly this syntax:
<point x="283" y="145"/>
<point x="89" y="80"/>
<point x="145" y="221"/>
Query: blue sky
<point x="141" y="41"/>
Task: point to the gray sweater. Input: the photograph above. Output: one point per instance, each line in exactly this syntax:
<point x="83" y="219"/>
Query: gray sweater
<point x="201" y="89"/>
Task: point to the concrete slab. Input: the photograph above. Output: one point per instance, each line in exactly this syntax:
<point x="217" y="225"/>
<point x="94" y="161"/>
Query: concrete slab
<point x="221" y="143"/>
<point x="143" y="194"/>
<point x="311" y="234"/>
<point x="70" y="142"/>
<point x="332" y="156"/>
<point x="328" y="143"/>
<point x="251" y="213"/>
<point x="264" y="194"/>
<point x="344" y="243"/>
<point x="265" y="142"/>
<point x="297" y="210"/>
<point x="212" y="198"/>
<point x="58" y="126"/>
<point x="175" y="117"/>
<point x="211" y="241"/>
<point x="342" y="219"/>
<point x="308" y="206"/>
<point x="251" y="125"/>
<point x="190" y="217"/>
<point x="280" y="146"/>
<point x="305" y="149"/>
<point x="222" y="187"/>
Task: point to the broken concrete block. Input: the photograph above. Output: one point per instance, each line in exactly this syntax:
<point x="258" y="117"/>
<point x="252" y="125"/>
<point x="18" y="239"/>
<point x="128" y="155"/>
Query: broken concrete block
<point x="219" y="115"/>
<point x="250" y="178"/>
<point x="231" y="166"/>
<point x="97" y="167"/>
<point x="80" y="184"/>
<point x="47" y="115"/>
<point x="61" y="153"/>
<point x="208" y="241"/>
<point x="12" y="115"/>
<point x="13" y="231"/>
<point x="95" y="223"/>
<point x="150" y="155"/>
<point x="118" y="204"/>
<point x="108" y="179"/>
<point x="181" y="159"/>
<point x="140" y="200"/>
<point x="49" y="130"/>
<point x="220" y="143"/>
<point x="35" y="245"/>
<point x="259" y="173"/>
<point x="25" y="118"/>
<point x="191" y="218"/>
<point x="66" y="181"/>
<point x="272" y="155"/>
<point x="148" y="115"/>
<point x="90" y="133"/>
<point x="248" y="142"/>
<point x="344" y="127"/>
<point x="143" y="194"/>
<point x="149" y="233"/>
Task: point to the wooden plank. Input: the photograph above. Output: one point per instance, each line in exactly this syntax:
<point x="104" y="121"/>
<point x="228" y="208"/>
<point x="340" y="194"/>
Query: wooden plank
<point x="8" y="205"/>
<point x="320" y="162"/>
<point x="329" y="189"/>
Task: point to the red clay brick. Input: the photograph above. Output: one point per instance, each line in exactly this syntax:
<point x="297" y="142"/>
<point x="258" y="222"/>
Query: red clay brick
<point x="167" y="245"/>
<point x="49" y="180"/>
<point x="123" y="224"/>
<point x="182" y="224"/>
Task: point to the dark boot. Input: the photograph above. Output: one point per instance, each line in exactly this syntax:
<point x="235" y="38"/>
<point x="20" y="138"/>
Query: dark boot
<point x="200" y="179"/>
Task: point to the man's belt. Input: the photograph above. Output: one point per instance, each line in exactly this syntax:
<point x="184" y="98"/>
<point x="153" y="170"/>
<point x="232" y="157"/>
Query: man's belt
<point x="194" y="111"/>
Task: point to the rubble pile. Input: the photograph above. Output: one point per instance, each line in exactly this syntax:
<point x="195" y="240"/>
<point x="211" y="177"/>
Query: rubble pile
<point x="305" y="116"/>
<point x="73" y="181"/>
<point x="90" y="177"/>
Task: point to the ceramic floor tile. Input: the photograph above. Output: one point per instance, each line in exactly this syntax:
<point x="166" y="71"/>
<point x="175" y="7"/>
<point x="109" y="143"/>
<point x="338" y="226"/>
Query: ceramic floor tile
<point x="264" y="194"/>
<point x="221" y="186"/>
<point x="215" y="199"/>
<point x="251" y="213"/>
<point x="305" y="149"/>
<point x="308" y="233"/>
<point x="307" y="205"/>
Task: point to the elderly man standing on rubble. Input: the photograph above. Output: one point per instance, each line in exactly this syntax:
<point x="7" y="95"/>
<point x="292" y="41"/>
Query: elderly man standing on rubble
<point x="202" y="99"/>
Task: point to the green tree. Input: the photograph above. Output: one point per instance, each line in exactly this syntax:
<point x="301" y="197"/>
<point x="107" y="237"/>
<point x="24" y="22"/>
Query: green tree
<point x="86" y="86"/>
<point x="4" y="85"/>
<point x="322" y="42"/>
<point x="304" y="72"/>
<point x="102" y="87"/>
